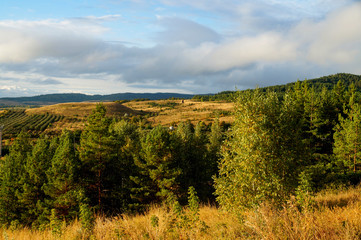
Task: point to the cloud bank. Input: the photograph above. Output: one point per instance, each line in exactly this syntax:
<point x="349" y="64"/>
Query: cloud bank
<point x="72" y="55"/>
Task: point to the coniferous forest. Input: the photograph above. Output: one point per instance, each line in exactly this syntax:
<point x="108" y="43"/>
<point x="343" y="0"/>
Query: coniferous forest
<point x="280" y="147"/>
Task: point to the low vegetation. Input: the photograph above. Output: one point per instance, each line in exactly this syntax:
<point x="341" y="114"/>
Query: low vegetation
<point x="16" y="120"/>
<point x="334" y="214"/>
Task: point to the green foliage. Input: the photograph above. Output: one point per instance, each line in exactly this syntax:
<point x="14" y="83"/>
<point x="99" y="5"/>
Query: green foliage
<point x="96" y="145"/>
<point x="157" y="162"/>
<point x="154" y="221"/>
<point x="264" y="153"/>
<point x="32" y="195"/>
<point x="12" y="170"/>
<point x="327" y="82"/>
<point x="55" y="224"/>
<point x="62" y="178"/>
<point x="347" y="147"/>
<point x="304" y="191"/>
<point x="87" y="220"/>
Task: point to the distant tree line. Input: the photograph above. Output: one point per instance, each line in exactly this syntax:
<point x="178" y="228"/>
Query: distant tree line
<point x="317" y="84"/>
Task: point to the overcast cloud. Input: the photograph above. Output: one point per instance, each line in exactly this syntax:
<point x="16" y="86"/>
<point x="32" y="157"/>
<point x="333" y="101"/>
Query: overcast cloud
<point x="194" y="47"/>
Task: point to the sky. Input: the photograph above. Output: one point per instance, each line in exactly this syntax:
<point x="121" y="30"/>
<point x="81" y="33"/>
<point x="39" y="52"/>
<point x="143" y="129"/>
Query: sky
<point x="183" y="46"/>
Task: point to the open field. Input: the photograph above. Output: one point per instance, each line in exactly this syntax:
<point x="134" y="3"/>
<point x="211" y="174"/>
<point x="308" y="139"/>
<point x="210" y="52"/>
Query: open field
<point x="164" y="112"/>
<point x="174" y="111"/>
<point x="76" y="113"/>
<point x="334" y="215"/>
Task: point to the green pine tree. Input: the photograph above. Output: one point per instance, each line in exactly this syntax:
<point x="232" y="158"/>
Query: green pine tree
<point x="32" y="195"/>
<point x="11" y="172"/>
<point x="63" y="179"/>
<point x="347" y="146"/>
<point x="96" y="153"/>
<point x="158" y="167"/>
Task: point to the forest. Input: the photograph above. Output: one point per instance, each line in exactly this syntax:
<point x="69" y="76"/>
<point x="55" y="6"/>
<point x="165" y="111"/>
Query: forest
<point x="280" y="147"/>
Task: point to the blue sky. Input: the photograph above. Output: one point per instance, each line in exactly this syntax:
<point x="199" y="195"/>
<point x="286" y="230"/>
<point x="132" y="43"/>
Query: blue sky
<point x="203" y="46"/>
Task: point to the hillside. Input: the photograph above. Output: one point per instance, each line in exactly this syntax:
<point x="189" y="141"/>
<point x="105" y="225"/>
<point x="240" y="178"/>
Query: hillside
<point x="317" y="83"/>
<point x="164" y="112"/>
<point x="49" y="99"/>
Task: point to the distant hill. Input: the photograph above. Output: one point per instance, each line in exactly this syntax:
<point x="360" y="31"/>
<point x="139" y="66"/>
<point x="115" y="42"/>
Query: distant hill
<point x="318" y="84"/>
<point x="48" y="99"/>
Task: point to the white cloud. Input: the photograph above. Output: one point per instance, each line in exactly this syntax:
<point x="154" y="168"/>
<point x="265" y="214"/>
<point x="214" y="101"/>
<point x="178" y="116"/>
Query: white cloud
<point x="22" y="41"/>
<point x="188" y="56"/>
<point x="183" y="30"/>
<point x="337" y="39"/>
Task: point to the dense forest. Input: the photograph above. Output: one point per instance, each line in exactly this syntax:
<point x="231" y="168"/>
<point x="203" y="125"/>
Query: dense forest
<point x="280" y="145"/>
<point x="111" y="167"/>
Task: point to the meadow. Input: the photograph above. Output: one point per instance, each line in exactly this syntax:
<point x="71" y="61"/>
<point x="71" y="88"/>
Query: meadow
<point x="157" y="112"/>
<point x="334" y="214"/>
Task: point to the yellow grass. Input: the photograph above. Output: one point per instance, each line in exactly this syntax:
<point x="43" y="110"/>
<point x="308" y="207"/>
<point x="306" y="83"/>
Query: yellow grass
<point x="76" y="113"/>
<point x="81" y="110"/>
<point x="336" y="215"/>
<point x="190" y="110"/>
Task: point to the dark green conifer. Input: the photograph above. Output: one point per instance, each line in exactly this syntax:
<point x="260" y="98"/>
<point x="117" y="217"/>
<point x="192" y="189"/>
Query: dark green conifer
<point x="96" y="153"/>
<point x="63" y="178"/>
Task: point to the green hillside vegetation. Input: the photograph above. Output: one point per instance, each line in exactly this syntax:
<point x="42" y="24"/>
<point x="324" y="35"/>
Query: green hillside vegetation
<point x="269" y="171"/>
<point x="317" y="84"/>
<point x="49" y="99"/>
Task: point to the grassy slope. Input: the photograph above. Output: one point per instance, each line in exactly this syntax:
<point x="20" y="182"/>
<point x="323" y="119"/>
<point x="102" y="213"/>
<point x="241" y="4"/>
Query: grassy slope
<point x="164" y="112"/>
<point x="193" y="111"/>
<point x="335" y="215"/>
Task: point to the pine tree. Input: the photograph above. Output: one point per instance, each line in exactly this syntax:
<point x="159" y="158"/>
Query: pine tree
<point x="12" y="170"/>
<point x="96" y="152"/>
<point x="158" y="167"/>
<point x="127" y="144"/>
<point x="347" y="146"/>
<point x="63" y="179"/>
<point x="32" y="195"/>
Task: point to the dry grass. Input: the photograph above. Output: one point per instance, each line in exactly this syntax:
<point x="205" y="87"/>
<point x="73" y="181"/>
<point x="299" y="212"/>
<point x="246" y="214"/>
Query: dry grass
<point x="193" y="111"/>
<point x="81" y="110"/>
<point x="336" y="216"/>
<point x="76" y="113"/>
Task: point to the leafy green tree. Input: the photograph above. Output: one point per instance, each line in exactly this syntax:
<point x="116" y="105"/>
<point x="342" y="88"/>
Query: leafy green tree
<point x="264" y="153"/>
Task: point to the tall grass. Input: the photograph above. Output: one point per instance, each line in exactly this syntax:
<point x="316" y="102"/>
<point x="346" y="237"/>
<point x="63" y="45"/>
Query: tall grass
<point x="333" y="215"/>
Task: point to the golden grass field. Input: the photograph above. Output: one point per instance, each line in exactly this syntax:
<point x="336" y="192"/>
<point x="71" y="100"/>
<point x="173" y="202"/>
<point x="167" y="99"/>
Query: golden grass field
<point x="156" y="112"/>
<point x="190" y="110"/>
<point x="335" y="215"/>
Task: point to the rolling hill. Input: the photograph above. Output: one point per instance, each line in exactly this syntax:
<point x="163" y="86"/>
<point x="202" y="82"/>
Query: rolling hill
<point x="49" y="99"/>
